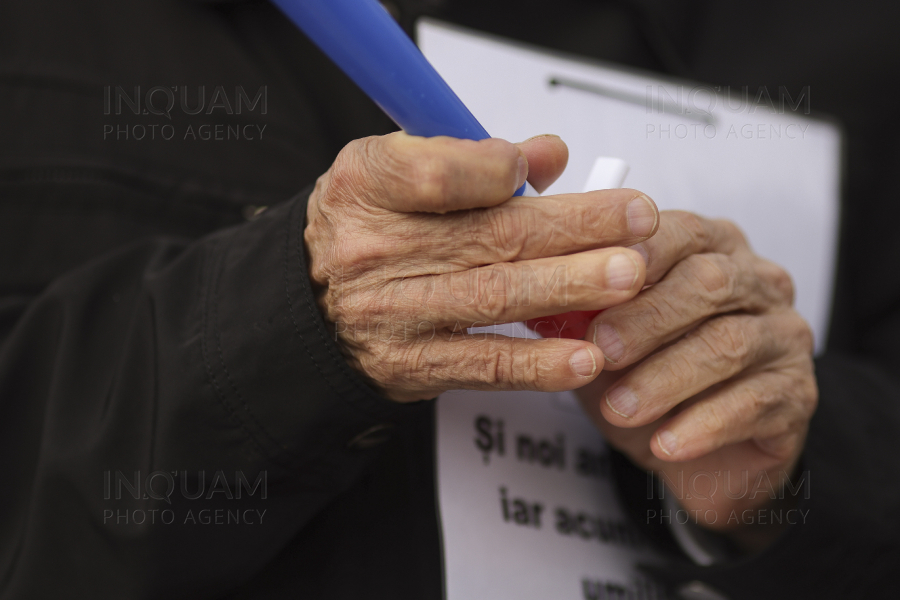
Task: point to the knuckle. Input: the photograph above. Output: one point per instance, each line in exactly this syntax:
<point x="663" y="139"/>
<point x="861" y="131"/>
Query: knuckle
<point x="497" y="293"/>
<point x="381" y="305"/>
<point x="500" y="159"/>
<point x="759" y="400"/>
<point x="805" y="336"/>
<point x="714" y="276"/>
<point x="524" y="372"/>
<point x="415" y="364"/>
<point x="648" y="322"/>
<point x="393" y="364"/>
<point x="777" y="284"/>
<point x="695" y="227"/>
<point x="656" y="313"/>
<point x="731" y="230"/>
<point x="673" y="375"/>
<point x="350" y="251"/>
<point x="505" y="368"/>
<point x="804" y="392"/>
<point x="716" y="419"/>
<point x="750" y="406"/>
<point x="728" y="340"/>
<point x="357" y="249"/>
<point x="349" y="171"/>
<point x="374" y="318"/>
<point x="497" y="368"/>
<point x="402" y="168"/>
<point x="491" y="310"/>
<point x="784" y="283"/>
<point x="791" y="333"/>
<point x="430" y="181"/>
<point x="781" y="404"/>
<point x="809" y="395"/>
<point x="505" y="153"/>
<point x="326" y="266"/>
<point x="320" y="270"/>
<point x="376" y="366"/>
<point x="805" y="399"/>
<point x="508" y="231"/>
<point x="335" y="307"/>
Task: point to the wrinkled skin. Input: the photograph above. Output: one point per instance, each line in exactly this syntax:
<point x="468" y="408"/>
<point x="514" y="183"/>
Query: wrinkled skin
<point x="706" y="369"/>
<point x="414" y="240"/>
<point x="709" y="371"/>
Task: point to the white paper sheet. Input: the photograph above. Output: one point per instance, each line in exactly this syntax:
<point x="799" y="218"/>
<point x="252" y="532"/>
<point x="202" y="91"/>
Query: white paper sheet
<point x="576" y="545"/>
<point x="783" y="191"/>
<point x="776" y="175"/>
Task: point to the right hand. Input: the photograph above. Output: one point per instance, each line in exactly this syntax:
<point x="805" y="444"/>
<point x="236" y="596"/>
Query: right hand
<point x="413" y="240"/>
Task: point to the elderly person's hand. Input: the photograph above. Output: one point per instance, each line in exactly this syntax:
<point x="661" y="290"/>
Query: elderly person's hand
<point x="411" y="241"/>
<point x="709" y="374"/>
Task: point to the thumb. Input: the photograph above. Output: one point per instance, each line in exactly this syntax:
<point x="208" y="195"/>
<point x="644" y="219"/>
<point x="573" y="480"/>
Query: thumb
<point x="547" y="158"/>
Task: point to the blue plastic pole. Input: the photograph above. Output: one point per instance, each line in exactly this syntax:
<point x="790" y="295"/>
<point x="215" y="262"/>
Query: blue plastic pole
<point x="371" y="48"/>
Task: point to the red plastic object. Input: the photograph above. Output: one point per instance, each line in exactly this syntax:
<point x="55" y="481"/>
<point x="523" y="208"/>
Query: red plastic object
<point x="572" y="325"/>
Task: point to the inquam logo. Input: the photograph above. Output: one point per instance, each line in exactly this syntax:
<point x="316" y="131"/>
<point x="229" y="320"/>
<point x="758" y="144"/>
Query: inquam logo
<point x="161" y="100"/>
<point x="191" y="101"/>
<point x="161" y="486"/>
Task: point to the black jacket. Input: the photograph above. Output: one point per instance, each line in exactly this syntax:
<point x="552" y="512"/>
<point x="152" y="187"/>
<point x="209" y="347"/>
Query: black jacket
<point x="161" y="351"/>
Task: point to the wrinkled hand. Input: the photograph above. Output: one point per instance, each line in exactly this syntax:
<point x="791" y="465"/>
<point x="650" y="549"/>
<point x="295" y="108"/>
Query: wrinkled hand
<point x="708" y="371"/>
<point x="413" y="240"/>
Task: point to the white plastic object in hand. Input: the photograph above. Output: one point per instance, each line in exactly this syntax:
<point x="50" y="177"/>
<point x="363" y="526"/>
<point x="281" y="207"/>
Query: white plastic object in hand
<point x="607" y="173"/>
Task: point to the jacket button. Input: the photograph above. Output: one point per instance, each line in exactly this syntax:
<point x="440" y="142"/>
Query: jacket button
<point x="697" y="590"/>
<point x="371" y="437"/>
<point x="251" y="211"/>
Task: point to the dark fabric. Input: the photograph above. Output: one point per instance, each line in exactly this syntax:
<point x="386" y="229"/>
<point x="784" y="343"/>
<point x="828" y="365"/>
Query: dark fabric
<point x="146" y="325"/>
<point x="149" y="327"/>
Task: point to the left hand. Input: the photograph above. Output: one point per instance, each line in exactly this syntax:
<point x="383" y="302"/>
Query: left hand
<point x="709" y="370"/>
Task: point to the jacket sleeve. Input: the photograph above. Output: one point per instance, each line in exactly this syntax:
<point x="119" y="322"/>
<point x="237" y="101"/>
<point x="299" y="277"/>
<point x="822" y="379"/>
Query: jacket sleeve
<point x="171" y="414"/>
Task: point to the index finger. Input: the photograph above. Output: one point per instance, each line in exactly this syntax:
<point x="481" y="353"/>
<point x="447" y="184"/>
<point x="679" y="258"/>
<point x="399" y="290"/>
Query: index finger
<point x="526" y="228"/>
<point x="404" y="173"/>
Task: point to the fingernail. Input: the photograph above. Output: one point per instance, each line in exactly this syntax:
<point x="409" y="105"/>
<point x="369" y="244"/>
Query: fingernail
<point x="667" y="441"/>
<point x="607" y="338"/>
<point x="583" y="363"/>
<point x="542" y="135"/>
<point x="642" y="215"/>
<point x="642" y="250"/>
<point x="622" y="401"/>
<point x="621" y="272"/>
<point x="523" y="171"/>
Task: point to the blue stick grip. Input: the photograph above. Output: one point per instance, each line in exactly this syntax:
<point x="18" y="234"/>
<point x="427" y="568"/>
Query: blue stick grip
<point x="371" y="48"/>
